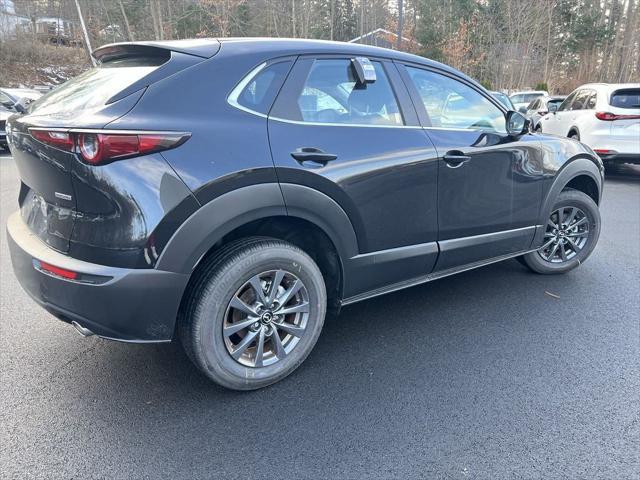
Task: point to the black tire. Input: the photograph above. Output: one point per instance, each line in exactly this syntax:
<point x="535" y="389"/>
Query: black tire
<point x="574" y="135"/>
<point x="207" y="304"/>
<point x="538" y="128"/>
<point x="569" y="198"/>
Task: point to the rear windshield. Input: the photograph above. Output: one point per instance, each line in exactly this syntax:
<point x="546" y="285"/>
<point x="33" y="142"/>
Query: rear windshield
<point x="629" y="98"/>
<point x="525" y="97"/>
<point x="93" y="88"/>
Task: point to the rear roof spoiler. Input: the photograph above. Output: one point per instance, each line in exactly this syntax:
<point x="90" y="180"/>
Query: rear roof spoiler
<point x="200" y="47"/>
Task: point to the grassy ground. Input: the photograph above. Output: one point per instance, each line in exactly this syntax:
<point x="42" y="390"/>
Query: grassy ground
<point x="28" y="62"/>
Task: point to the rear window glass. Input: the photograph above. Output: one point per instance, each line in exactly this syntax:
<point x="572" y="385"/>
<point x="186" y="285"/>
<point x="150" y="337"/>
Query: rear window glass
<point x="626" y="98"/>
<point x="93" y="88"/>
<point x="525" y="97"/>
<point x="259" y="93"/>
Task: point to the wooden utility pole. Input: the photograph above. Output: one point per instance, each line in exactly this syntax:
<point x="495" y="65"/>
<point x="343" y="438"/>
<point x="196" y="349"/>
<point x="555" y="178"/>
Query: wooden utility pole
<point x="400" y="24"/>
<point x="86" y="34"/>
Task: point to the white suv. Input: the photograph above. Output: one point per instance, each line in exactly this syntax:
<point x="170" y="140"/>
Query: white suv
<point x="604" y="116"/>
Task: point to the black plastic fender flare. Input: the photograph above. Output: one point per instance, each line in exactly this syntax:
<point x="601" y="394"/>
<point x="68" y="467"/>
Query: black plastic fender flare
<point x="211" y="222"/>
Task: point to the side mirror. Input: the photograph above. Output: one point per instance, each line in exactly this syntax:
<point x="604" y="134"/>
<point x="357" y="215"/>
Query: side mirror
<point x="553" y="107"/>
<point x="517" y="124"/>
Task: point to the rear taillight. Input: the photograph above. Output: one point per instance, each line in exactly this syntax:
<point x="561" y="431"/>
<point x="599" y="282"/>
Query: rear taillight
<point x="609" y="117"/>
<point x="61" y="140"/>
<point x="98" y="147"/>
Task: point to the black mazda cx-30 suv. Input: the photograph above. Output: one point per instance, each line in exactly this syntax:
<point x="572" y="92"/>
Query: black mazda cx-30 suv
<point x="229" y="192"/>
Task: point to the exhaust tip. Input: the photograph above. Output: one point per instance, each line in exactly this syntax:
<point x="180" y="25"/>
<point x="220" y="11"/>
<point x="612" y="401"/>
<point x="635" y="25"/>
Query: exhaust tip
<point x="85" y="332"/>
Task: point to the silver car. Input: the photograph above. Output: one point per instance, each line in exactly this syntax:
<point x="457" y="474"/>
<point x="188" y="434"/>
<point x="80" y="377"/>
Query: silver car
<point x="540" y="107"/>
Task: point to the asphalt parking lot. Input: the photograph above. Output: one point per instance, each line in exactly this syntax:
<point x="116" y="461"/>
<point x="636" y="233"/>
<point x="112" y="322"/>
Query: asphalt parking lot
<point x="482" y="375"/>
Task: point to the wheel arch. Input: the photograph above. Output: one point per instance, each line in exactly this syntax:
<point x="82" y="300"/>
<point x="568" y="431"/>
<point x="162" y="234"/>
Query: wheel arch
<point x="309" y="219"/>
<point x="573" y="129"/>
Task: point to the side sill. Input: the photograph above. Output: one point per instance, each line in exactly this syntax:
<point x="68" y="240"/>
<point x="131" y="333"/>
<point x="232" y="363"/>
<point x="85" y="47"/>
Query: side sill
<point x="429" y="278"/>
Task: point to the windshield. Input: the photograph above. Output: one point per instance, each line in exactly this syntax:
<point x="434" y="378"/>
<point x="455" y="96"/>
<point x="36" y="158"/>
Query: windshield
<point x="91" y="89"/>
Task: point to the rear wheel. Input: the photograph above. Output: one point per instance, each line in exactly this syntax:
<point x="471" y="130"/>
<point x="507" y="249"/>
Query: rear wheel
<point x="254" y="314"/>
<point x="571" y="234"/>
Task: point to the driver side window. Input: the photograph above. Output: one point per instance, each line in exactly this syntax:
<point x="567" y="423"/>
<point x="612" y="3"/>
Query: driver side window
<point x="452" y="104"/>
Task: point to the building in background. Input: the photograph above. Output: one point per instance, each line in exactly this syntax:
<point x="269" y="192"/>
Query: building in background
<point x="386" y="39"/>
<point x="11" y="24"/>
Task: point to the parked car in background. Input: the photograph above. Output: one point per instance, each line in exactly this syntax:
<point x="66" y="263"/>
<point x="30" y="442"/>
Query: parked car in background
<point x="4" y="115"/>
<point x="521" y="100"/>
<point x="316" y="175"/>
<point x="504" y="99"/>
<point x="22" y="96"/>
<point x="540" y="107"/>
<point x="604" y="116"/>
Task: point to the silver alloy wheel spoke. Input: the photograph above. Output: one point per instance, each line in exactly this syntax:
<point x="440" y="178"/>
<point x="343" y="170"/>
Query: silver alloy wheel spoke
<point x="300" y="308"/>
<point x="289" y="328"/>
<point x="549" y="243"/>
<point x="275" y="283"/>
<point x="244" y="344"/>
<point x="553" y="251"/>
<point x="277" y="342"/>
<point x="260" y="349"/>
<point x="256" y="284"/>
<point x="572" y="215"/>
<point x="563" y="252"/>
<point x="578" y="234"/>
<point x="236" y="327"/>
<point x="243" y="307"/>
<point x="579" y="222"/>
<point x="574" y="245"/>
<point x="288" y="295"/>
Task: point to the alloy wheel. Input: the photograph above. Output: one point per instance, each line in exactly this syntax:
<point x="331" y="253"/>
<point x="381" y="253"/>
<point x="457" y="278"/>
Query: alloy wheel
<point x="266" y="318"/>
<point x="566" y="235"/>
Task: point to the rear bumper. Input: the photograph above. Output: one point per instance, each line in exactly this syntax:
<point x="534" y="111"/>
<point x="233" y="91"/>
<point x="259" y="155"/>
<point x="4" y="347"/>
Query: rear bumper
<point x="130" y="305"/>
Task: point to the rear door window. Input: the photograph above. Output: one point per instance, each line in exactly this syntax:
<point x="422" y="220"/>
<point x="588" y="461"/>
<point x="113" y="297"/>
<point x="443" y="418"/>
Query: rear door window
<point x="627" y="98"/>
<point x="331" y="95"/>
<point x="580" y="100"/>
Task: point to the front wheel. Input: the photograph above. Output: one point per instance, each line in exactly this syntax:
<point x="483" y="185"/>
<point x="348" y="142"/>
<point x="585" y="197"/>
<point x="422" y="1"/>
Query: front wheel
<point x="255" y="312"/>
<point x="571" y="234"/>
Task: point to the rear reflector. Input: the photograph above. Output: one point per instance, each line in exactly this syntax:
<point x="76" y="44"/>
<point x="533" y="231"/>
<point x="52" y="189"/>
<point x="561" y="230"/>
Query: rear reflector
<point x="609" y="117"/>
<point x="97" y="147"/>
<point x="603" y="151"/>
<point x="60" y="272"/>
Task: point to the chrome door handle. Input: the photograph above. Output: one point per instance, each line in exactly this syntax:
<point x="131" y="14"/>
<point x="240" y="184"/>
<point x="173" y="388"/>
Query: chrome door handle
<point x="455" y="158"/>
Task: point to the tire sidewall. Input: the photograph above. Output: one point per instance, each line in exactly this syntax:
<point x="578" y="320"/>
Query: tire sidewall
<point x="210" y="350"/>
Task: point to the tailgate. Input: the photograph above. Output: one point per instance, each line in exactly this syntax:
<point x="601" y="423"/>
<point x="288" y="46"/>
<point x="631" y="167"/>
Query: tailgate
<point x="91" y="100"/>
